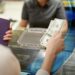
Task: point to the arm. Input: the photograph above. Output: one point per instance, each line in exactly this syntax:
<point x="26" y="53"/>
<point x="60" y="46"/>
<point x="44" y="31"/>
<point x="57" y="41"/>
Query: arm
<point x="25" y="16"/>
<point x="53" y="48"/>
<point x="47" y="64"/>
<point x="23" y="24"/>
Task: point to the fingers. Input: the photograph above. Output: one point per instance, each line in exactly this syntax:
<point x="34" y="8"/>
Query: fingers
<point x="7" y="38"/>
<point x="8" y="35"/>
<point x="58" y="35"/>
<point x="56" y="43"/>
<point x="8" y="32"/>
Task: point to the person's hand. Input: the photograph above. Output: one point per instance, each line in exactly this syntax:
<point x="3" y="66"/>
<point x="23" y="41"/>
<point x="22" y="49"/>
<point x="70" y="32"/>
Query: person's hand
<point x="8" y="35"/>
<point x="55" y="44"/>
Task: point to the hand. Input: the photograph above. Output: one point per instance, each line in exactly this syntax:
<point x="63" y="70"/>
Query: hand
<point x="55" y="44"/>
<point x="8" y="35"/>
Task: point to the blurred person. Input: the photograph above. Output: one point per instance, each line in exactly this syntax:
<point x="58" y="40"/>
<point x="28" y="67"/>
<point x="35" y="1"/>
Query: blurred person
<point x="39" y="13"/>
<point x="9" y="64"/>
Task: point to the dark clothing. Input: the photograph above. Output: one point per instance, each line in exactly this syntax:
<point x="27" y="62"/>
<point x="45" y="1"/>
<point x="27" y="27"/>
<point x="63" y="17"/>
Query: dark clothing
<point x="38" y="16"/>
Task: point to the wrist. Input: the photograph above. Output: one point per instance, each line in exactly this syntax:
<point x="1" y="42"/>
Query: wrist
<point x="51" y="51"/>
<point x="48" y="61"/>
<point x="50" y="55"/>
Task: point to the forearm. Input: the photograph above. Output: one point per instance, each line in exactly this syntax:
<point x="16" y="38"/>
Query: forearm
<point x="54" y="46"/>
<point x="48" y="62"/>
<point x="23" y="24"/>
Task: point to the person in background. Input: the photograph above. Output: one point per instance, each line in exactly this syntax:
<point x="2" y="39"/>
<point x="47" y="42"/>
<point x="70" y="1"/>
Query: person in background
<point x="39" y="13"/>
<point x="9" y="65"/>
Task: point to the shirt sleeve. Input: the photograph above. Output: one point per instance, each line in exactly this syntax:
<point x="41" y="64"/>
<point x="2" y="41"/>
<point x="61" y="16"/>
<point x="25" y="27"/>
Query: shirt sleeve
<point x="25" y="12"/>
<point x="60" y="13"/>
<point x="42" y="72"/>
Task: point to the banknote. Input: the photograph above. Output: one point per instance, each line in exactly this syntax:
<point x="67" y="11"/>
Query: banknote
<point x="54" y="26"/>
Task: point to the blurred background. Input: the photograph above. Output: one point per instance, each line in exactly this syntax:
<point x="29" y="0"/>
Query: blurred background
<point x="11" y="9"/>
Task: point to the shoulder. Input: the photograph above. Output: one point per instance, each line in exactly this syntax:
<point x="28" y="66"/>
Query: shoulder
<point x="58" y="1"/>
<point x="55" y="2"/>
<point x="28" y="2"/>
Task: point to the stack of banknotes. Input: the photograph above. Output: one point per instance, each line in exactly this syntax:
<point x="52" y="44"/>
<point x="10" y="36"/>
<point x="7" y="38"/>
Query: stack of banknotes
<point x="54" y="26"/>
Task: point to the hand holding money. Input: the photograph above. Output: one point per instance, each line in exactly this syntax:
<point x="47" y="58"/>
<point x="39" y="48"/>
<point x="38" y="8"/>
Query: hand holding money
<point x="54" y="26"/>
<point x="55" y="43"/>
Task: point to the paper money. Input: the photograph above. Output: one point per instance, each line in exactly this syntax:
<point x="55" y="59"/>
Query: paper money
<point x="54" y="26"/>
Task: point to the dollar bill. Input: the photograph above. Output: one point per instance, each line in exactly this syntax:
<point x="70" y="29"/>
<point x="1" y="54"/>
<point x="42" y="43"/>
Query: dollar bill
<point x="54" y="26"/>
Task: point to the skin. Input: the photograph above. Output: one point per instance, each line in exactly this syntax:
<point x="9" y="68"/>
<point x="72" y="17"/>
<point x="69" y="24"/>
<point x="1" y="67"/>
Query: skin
<point x="8" y="35"/>
<point x="9" y="65"/>
<point x="53" y="48"/>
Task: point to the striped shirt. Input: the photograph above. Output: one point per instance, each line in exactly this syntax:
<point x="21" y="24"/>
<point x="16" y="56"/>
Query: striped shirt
<point x="70" y="11"/>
